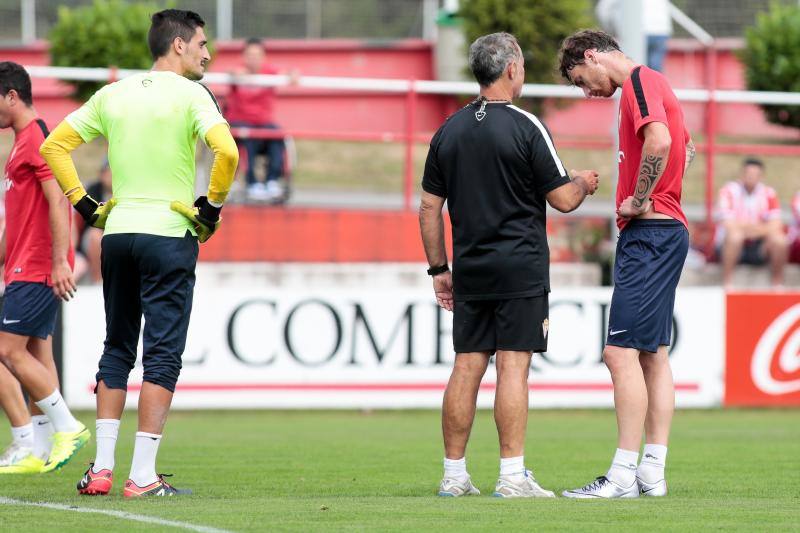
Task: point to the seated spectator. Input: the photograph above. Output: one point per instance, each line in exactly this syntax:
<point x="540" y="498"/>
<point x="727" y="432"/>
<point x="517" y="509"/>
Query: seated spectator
<point x="253" y="107"/>
<point x="794" y="231"/>
<point x="88" y="239"/>
<point x="750" y="230"/>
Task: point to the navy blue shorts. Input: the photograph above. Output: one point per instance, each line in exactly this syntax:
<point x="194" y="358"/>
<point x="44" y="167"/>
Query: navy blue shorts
<point x="153" y="276"/>
<point x="650" y="257"/>
<point x="29" y="309"/>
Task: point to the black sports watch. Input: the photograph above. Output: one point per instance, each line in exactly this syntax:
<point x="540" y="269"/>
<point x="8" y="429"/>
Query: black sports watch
<point x="441" y="269"/>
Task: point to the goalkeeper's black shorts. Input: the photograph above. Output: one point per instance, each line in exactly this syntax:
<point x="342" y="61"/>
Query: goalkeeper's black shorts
<point x="150" y="276"/>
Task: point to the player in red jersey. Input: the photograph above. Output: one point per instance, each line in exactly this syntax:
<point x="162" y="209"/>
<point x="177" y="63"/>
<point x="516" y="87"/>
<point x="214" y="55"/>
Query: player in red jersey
<point x="38" y="267"/>
<point x="654" y="151"/>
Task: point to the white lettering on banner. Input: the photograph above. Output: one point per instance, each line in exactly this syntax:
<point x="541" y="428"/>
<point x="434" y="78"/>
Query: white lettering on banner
<point x="381" y="347"/>
<point x="788" y="359"/>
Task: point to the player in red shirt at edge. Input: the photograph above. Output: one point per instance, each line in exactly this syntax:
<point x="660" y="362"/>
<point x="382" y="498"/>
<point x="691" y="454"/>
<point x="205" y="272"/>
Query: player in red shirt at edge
<point x="654" y="152"/>
<point x="38" y="271"/>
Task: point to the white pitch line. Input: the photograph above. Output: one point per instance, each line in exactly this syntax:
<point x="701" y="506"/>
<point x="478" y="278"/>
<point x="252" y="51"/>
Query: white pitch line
<point x="117" y="514"/>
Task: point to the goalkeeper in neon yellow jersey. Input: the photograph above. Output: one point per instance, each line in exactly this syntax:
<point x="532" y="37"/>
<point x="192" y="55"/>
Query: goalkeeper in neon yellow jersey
<point x="152" y="227"/>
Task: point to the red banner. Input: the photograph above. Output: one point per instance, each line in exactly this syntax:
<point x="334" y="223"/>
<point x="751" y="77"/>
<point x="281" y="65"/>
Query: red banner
<point x="763" y="349"/>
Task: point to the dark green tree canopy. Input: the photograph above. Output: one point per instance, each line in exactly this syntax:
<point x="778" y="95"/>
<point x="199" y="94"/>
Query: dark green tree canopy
<point x="772" y="59"/>
<point x="105" y="33"/>
<point x="539" y="26"/>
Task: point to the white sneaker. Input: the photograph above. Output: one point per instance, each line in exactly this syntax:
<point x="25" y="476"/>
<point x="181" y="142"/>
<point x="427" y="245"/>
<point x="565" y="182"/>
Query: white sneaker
<point x="603" y="487"/>
<point x="257" y="191"/>
<point x="454" y="488"/>
<point x="14" y="453"/>
<point x="659" y="488"/>
<point x="274" y="190"/>
<point x="520" y="486"/>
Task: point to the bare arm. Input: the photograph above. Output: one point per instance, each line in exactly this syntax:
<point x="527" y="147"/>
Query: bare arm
<point x="570" y="195"/>
<point x="61" y="276"/>
<point x="431" y="224"/>
<point x="655" y="151"/>
<point x="690" y="153"/>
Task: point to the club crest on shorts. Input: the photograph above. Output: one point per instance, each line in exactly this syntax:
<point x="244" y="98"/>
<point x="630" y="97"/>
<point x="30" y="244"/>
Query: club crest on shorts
<point x="545" y="326"/>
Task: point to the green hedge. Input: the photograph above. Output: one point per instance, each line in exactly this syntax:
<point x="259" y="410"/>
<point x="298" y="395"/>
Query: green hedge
<point x="772" y="59"/>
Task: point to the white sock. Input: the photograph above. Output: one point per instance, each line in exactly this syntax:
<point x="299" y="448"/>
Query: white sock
<point x="57" y="411"/>
<point x="143" y="467"/>
<point x="106" y="437"/>
<point x="42" y="431"/>
<point x="456" y="468"/>
<point x="623" y="468"/>
<point x="654" y="459"/>
<point x="512" y="466"/>
<point x="23" y="435"/>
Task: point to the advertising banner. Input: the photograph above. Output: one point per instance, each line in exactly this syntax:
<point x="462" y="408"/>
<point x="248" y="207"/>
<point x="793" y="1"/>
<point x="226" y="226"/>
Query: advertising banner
<point x="763" y="349"/>
<point x="382" y="347"/>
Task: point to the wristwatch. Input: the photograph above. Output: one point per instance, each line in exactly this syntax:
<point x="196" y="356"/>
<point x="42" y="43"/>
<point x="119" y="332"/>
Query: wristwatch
<point x="441" y="269"/>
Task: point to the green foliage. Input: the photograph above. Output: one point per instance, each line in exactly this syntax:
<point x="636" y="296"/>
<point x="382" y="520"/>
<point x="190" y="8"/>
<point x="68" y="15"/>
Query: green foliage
<point x="539" y="26"/>
<point x="106" y="33"/>
<point x="772" y="58"/>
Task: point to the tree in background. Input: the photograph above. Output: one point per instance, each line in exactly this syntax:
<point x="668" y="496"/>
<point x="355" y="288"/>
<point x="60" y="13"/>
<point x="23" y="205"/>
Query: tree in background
<point x="539" y="26"/>
<point x="772" y="59"/>
<point x="106" y="33"/>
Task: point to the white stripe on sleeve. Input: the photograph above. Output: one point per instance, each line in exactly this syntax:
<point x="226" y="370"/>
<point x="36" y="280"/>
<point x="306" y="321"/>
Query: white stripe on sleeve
<point x="546" y="136"/>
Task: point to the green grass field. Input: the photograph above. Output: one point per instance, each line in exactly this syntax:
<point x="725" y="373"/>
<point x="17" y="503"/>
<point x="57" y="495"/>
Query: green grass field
<point x="333" y="471"/>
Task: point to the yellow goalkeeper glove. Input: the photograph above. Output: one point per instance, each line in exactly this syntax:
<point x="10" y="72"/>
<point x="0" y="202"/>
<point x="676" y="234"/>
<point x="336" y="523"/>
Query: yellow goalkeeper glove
<point x="204" y="216"/>
<point x="95" y="214"/>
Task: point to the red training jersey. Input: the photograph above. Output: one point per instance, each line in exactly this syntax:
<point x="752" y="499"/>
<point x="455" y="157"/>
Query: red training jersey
<point x="647" y="97"/>
<point x="252" y="105"/>
<point x="29" y="244"/>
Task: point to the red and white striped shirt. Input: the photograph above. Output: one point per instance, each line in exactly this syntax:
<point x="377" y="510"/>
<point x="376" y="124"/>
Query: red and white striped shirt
<point x="794" y="231"/>
<point x="759" y="205"/>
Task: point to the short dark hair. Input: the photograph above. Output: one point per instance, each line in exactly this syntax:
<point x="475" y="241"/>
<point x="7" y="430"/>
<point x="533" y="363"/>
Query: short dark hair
<point x="753" y="161"/>
<point x="168" y="24"/>
<point x="490" y="54"/>
<point x="14" y="77"/>
<point x="253" y="41"/>
<point x="574" y="46"/>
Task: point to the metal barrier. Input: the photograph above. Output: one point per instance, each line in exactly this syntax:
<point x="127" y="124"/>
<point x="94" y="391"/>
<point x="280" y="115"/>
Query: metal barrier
<point x="412" y="88"/>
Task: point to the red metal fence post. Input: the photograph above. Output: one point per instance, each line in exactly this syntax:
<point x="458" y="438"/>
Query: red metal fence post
<point x="411" y="111"/>
<point x="711" y="132"/>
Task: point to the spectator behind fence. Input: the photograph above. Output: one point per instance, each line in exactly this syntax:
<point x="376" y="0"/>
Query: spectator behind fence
<point x="253" y="107"/>
<point x="657" y="24"/>
<point x="794" y="231"/>
<point x="749" y="229"/>
<point x="89" y="237"/>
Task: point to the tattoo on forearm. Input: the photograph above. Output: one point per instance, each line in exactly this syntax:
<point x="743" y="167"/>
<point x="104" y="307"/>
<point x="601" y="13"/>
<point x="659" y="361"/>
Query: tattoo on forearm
<point x="650" y="170"/>
<point x="690" y="153"/>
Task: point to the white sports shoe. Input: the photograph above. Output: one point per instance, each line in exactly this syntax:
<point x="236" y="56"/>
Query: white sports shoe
<point x="454" y="488"/>
<point x="257" y="191"/>
<point x="13" y="454"/>
<point x="659" y="488"/>
<point x="603" y="487"/>
<point x="520" y="486"/>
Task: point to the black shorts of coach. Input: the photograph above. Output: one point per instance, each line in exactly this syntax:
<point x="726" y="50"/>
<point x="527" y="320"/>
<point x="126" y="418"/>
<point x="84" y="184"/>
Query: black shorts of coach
<point x="515" y="324"/>
<point x="153" y="276"/>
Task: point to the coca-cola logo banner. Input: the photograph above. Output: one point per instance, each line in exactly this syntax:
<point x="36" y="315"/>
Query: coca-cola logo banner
<point x="763" y="349"/>
<point x="383" y="347"/>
